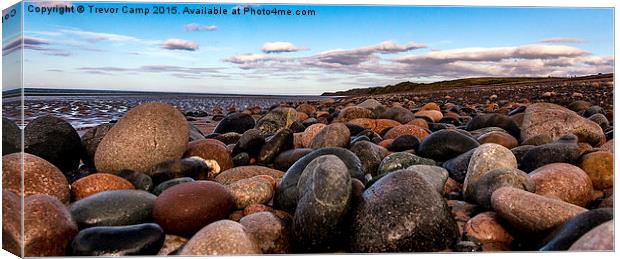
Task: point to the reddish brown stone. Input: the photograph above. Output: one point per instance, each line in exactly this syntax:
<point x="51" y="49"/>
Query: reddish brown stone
<point x="271" y="233"/>
<point x="563" y="181"/>
<point x="255" y="208"/>
<point x="306" y="108"/>
<point x="171" y="244"/>
<point x="242" y="172"/>
<point x="96" y="183"/>
<point x="430" y="106"/>
<point x="414" y="130"/>
<point x="376" y="125"/>
<point x="422" y="123"/>
<point x="252" y="190"/>
<point x="236" y="215"/>
<point x="608" y="146"/>
<point x="11" y="222"/>
<point x="600" y="238"/>
<point x="600" y="168"/>
<point x="485" y="228"/>
<point x="310" y="132"/>
<point x="302" y="116"/>
<point x="224" y="237"/>
<point x="210" y="149"/>
<point x="48" y="226"/>
<point x="353" y="112"/>
<point x="500" y="138"/>
<point x="433" y="115"/>
<point x="40" y="177"/>
<point x="185" y="208"/>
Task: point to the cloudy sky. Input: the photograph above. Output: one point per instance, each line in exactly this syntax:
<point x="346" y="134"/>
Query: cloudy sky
<point x="339" y="48"/>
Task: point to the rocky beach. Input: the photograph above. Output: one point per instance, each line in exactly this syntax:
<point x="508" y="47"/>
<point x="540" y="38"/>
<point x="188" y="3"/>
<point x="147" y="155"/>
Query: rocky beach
<point x="526" y="166"/>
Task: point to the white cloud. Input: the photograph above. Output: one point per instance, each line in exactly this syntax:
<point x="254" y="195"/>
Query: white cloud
<point x="100" y="36"/>
<point x="179" y="44"/>
<point x="280" y="46"/>
<point x="198" y="27"/>
<point x="562" y="40"/>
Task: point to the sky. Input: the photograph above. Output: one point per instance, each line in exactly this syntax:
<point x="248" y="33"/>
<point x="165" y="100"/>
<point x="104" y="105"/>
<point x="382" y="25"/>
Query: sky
<point x="337" y="48"/>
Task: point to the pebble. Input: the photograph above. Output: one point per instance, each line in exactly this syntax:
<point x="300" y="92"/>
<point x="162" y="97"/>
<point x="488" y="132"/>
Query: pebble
<point x="434" y="175"/>
<point x="11" y="222"/>
<point x="563" y="181"/>
<point x="579" y="105"/>
<point x="237" y="122"/>
<point x="600" y="238"/>
<point x="223" y="237"/>
<point x="494" y="120"/>
<point x="139" y="180"/>
<point x="280" y="142"/>
<point x="446" y="144"/>
<point x="252" y="190"/>
<point x="287" y="158"/>
<point x="54" y="140"/>
<point x="404" y="142"/>
<point x="375" y="125"/>
<point x="599" y="167"/>
<point x="370" y="155"/>
<point x="306" y="108"/>
<point x="531" y="213"/>
<point x="48" y="226"/>
<point x="333" y="135"/>
<point x="40" y="177"/>
<point x="251" y="142"/>
<point x="171" y="244"/>
<point x="141" y="239"/>
<point x="96" y="183"/>
<point x="601" y="120"/>
<point x="399" y="114"/>
<point x="270" y="233"/>
<point x="243" y="172"/>
<point x="430" y="115"/>
<point x="545" y="154"/>
<point x="91" y="140"/>
<point x="575" y="227"/>
<point x="172" y="182"/>
<point x="353" y="112"/>
<point x="400" y="130"/>
<point x="11" y="137"/>
<point x="210" y="149"/>
<point x="401" y="160"/>
<point x="486" y="158"/>
<point x="457" y="167"/>
<point x="486" y="229"/>
<point x="276" y="119"/>
<point x="538" y="140"/>
<point x="124" y="146"/>
<point x="227" y="138"/>
<point x="500" y="138"/>
<point x="113" y="208"/>
<point x="498" y="178"/>
<point x="194" y="167"/>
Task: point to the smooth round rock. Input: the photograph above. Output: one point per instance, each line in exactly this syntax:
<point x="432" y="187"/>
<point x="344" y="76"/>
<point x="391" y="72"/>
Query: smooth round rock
<point x="306" y="108"/>
<point x="500" y="138"/>
<point x="223" y="237"/>
<point x="599" y="167"/>
<point x="579" y="105"/>
<point x="538" y="140"/>
<point x="11" y="223"/>
<point x="186" y="208"/>
<point x="402" y="212"/>
<point x="310" y="132"/>
<point x="251" y="191"/>
<point x="600" y="238"/>
<point x="145" y="136"/>
<point x="39" y="177"/>
<point x="373" y="105"/>
<point x="113" y="208"/>
<point x="531" y="213"/>
<point x="324" y="197"/>
<point x="457" y="167"/>
<point x="210" y="149"/>
<point x="575" y="227"/>
<point x="139" y="180"/>
<point x="90" y="141"/>
<point x="601" y="120"/>
<point x="227" y="138"/>
<point x="286" y="195"/>
<point x="377" y="126"/>
<point x="141" y="239"/>
<point x="332" y="135"/>
<point x="370" y="155"/>
<point x="353" y="112"/>
<point x="545" y="154"/>
<point x="270" y="233"/>
<point x="287" y="158"/>
<point x="96" y="183"/>
<point x="399" y="114"/>
<point x="486" y="229"/>
<point x="498" y="178"/>
<point x="494" y="120"/>
<point x="250" y="142"/>
<point x="443" y="145"/>
<point x="235" y="122"/>
<point x="276" y="119"/>
<point x="172" y="244"/>
<point x="54" y="140"/>
<point x="563" y="181"/>
<point x="280" y="142"/>
<point x="194" y="167"/>
<point x="486" y="158"/>
<point x="401" y="160"/>
<point x="401" y="130"/>
<point x="592" y="110"/>
<point x="243" y="172"/>
<point x="172" y="182"/>
<point x="432" y="115"/>
<point x="48" y="226"/>
<point x="404" y="142"/>
<point x="11" y="137"/>
<point x="434" y="175"/>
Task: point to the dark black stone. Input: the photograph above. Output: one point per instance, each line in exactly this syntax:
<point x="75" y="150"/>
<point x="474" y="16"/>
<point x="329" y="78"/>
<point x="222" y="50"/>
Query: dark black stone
<point x="297" y="127"/>
<point x="495" y="120"/>
<point x="399" y="114"/>
<point x="549" y="153"/>
<point x="113" y="208"/>
<point x="91" y="140"/>
<point x="187" y="167"/>
<point x="609" y="134"/>
<point x="11" y="137"/>
<point x="241" y="159"/>
<point x="450" y="120"/>
<point x="309" y="121"/>
<point x="404" y="142"/>
<point x="229" y="138"/>
<point x="286" y="194"/>
<point x="287" y="158"/>
<point x="457" y="167"/>
<point x="194" y="133"/>
<point x="235" y="122"/>
<point x="358" y="139"/>
<point x="280" y="142"/>
<point x="354" y="129"/>
<point x="370" y="155"/>
<point x="517" y="110"/>
<point x="141" y="239"/>
<point x="593" y="110"/>
<point x="139" y="180"/>
<point x="575" y="227"/>
<point x="81" y="172"/>
<point x="54" y="140"/>
<point x="600" y="119"/>
<point x="446" y="144"/>
<point x="172" y="182"/>
<point x="251" y="142"/>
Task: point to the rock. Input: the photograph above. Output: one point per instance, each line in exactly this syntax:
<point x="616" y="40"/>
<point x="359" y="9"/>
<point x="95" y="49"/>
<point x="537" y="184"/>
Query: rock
<point x="227" y="138"/>
<point x="601" y="120"/>
<point x="430" y="107"/>
<point x="370" y="155"/>
<point x="578" y="106"/>
<point x="48" y="226"/>
<point x="241" y="159"/>
<point x="194" y="133"/>
<point x="251" y="191"/>
<point x="547" y="154"/>
<point x="404" y="142"/>
<point x="556" y="121"/>
<point x="11" y="222"/>
<point x="462" y="212"/>
<point x="500" y="138"/>
<point x="270" y="233"/>
<point x="401" y="160"/>
<point x="172" y="182"/>
<point x="186" y="208"/>
<point x="457" y="167"/>
<point x="286" y="195"/>
<point x="419" y="122"/>
<point x="575" y="227"/>
<point x="531" y="213"/>
<point x="113" y="208"/>
<point x="243" y="172"/>
<point x="298" y="126"/>
<point x="235" y="122"/>
<point x="54" y="140"/>
<point x="538" y="140"/>
<point x="479" y="132"/>
<point x="608" y="146"/>
<point x="593" y="110"/>
<point x="256" y="208"/>
<point x="357" y="130"/>
<point x="402" y="212"/>
<point x="599" y="167"/>
<point x="353" y="112"/>
<point x="141" y="239"/>
<point x="210" y="149"/>
<point x="276" y="119"/>
<point x="494" y="120"/>
<point x="563" y="181"/>
<point x="91" y="140"/>
<point x="39" y="177"/>
<point x="377" y="125"/>
<point x="467" y="246"/>
<point x="486" y="229"/>
<point x="125" y="145"/>
<point x="251" y="142"/>
<point x="310" y="132"/>
<point x="139" y="180"/>
<point x="600" y="238"/>
<point x="11" y="137"/>
<point x="333" y="135"/>
<point x="434" y="175"/>
<point x="371" y="104"/>
<point x="280" y="142"/>
<point x="306" y="108"/>
<point x="446" y="144"/>
<point x="194" y="167"/>
<point x="399" y="114"/>
<point x="324" y="195"/>
<point x="287" y="158"/>
<point x="494" y="179"/>
<point x="172" y="243"/>
<point x="400" y="130"/>
<point x="96" y="183"/>
<point x="486" y="158"/>
<point x="431" y="115"/>
<point x="224" y="237"/>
